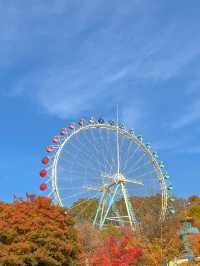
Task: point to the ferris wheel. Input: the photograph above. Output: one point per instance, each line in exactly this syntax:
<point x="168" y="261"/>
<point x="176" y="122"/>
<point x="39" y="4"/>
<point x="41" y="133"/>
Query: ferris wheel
<point x="103" y="162"/>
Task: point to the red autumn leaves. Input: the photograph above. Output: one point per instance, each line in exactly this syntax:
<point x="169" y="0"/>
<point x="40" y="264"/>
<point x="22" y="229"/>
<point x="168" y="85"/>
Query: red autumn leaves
<point x="117" y="253"/>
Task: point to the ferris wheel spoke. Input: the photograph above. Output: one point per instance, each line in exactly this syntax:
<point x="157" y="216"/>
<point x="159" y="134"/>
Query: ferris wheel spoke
<point x="108" y="162"/>
<point x="121" y="146"/>
<point x="94" y="142"/>
<point x="84" y="180"/>
<point x="98" y="148"/>
<point x="71" y="172"/>
<point x="87" y="154"/>
<point x="142" y="166"/>
<point x="145" y="174"/>
<point x="75" y="173"/>
<point x="105" y="154"/>
<point x="78" y="172"/>
<point x="131" y="157"/>
<point x="84" y="151"/>
<point x="122" y="138"/>
<point x="112" y="164"/>
<point x="92" y="145"/>
<point x="69" y="188"/>
<point x="128" y="154"/>
<point x="139" y="160"/>
<point x="79" y="163"/>
<point x="107" y="144"/>
<point x="74" y="195"/>
<point x="111" y="159"/>
<point x="81" y="153"/>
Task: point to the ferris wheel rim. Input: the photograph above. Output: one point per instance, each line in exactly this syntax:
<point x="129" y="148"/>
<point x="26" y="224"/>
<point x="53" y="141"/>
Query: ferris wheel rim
<point x="124" y="132"/>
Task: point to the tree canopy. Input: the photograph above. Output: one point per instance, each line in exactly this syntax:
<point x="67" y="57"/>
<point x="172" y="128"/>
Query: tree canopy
<point x="37" y="233"/>
<point x="34" y="232"/>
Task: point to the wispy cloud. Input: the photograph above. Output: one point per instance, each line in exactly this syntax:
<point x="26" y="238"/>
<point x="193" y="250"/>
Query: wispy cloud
<point x="177" y="146"/>
<point x="133" y="114"/>
<point x="190" y="116"/>
<point x="92" y="55"/>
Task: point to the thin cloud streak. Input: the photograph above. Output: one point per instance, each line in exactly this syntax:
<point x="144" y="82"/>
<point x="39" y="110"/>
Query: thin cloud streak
<point x="100" y="54"/>
<point x="190" y="116"/>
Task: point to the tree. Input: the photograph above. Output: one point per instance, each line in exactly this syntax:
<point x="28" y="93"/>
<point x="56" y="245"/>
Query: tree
<point x="90" y="237"/>
<point x="35" y="232"/>
<point x="84" y="210"/>
<point x="117" y="252"/>
<point x="196" y="244"/>
<point x="193" y="209"/>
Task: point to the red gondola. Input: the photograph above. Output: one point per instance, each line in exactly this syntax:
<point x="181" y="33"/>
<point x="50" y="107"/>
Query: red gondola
<point x="43" y="173"/>
<point x="55" y="139"/>
<point x="63" y="132"/>
<point x="43" y="187"/>
<point x="45" y="160"/>
<point x="49" y="148"/>
<point x="72" y="126"/>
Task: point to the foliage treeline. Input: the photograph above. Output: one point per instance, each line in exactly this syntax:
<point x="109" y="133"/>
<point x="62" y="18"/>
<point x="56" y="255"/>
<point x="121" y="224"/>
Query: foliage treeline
<point x="36" y="232"/>
<point x="158" y="240"/>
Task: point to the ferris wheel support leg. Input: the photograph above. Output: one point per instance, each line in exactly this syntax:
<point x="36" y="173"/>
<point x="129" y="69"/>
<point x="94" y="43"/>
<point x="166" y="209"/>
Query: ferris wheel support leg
<point x="129" y="208"/>
<point x="116" y="211"/>
<point x="100" y="207"/>
<point x="109" y="206"/>
<point x="103" y="208"/>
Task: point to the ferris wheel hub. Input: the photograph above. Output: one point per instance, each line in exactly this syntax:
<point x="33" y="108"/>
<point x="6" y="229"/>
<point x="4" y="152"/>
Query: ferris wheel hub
<point x="119" y="178"/>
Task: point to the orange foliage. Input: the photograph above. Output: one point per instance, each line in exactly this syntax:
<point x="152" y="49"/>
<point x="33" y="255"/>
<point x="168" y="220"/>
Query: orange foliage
<point x="37" y="233"/>
<point x="196" y="244"/>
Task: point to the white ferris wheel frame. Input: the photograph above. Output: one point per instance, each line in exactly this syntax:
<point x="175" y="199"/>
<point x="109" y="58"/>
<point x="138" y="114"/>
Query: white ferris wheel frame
<point x="160" y="175"/>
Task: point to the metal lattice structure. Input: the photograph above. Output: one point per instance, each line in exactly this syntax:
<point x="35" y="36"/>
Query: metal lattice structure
<point x="105" y="161"/>
<point x="185" y="235"/>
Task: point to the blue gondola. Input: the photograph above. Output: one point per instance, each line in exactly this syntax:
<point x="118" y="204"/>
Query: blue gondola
<point x="111" y="122"/>
<point x="91" y="120"/>
<point x="140" y="137"/>
<point x="169" y="187"/>
<point x="166" y="176"/>
<point x="131" y="131"/>
<point x="101" y="121"/>
<point x="172" y="210"/>
<point x="121" y="126"/>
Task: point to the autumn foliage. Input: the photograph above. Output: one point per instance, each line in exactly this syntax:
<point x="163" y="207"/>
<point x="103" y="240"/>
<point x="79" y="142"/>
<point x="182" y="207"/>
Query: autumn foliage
<point x="34" y="232"/>
<point x="116" y="252"/>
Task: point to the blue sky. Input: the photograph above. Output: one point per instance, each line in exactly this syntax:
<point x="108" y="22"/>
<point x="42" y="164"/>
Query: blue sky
<point x="61" y="60"/>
